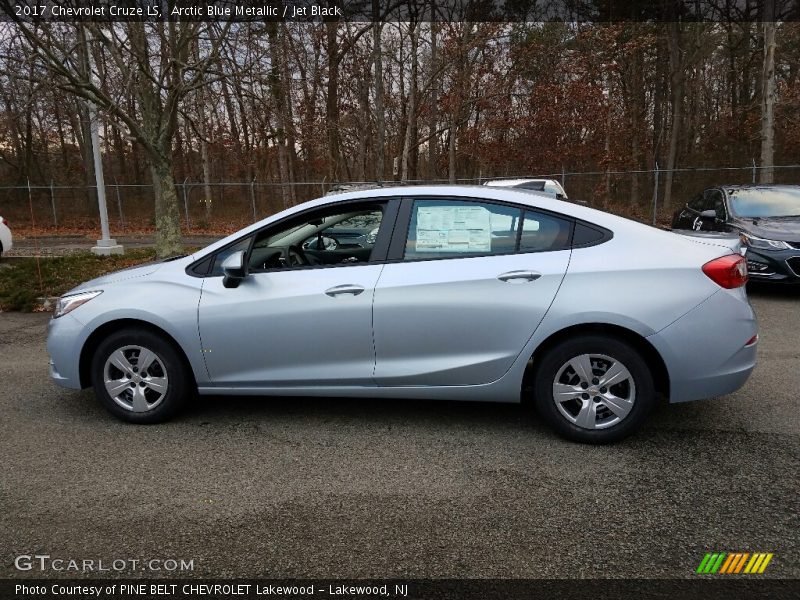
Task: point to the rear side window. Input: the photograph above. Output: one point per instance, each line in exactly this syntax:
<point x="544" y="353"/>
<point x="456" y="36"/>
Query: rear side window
<point x="454" y="228"/>
<point x="442" y="228"/>
<point x="532" y="185"/>
<point x="542" y="232"/>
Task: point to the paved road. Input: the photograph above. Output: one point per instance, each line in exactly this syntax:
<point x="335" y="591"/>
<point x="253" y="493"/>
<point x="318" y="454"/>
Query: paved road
<point x="353" y="488"/>
<point x="56" y="245"/>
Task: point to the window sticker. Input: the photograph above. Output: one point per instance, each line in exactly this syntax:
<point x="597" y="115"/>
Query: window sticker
<point x="454" y="229"/>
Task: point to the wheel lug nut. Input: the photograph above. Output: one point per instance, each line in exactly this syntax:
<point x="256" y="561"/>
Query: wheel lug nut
<point x="603" y="390"/>
<point x="597" y="398"/>
<point x="585" y="396"/>
<point x="595" y="381"/>
<point x="584" y="385"/>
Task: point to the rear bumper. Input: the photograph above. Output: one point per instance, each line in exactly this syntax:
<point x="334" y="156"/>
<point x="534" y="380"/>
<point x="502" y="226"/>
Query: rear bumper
<point x="706" y="351"/>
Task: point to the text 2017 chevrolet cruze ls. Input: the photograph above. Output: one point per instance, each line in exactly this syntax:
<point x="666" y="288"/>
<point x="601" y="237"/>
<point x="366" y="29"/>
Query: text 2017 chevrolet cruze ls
<point x="470" y="293"/>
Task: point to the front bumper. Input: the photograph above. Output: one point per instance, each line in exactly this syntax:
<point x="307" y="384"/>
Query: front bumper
<point x="779" y="266"/>
<point x="64" y="342"/>
<point x="706" y="351"/>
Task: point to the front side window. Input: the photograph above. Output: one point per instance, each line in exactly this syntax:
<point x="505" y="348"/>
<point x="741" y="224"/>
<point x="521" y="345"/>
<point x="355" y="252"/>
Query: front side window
<point x="697" y="203"/>
<point x="715" y="202"/>
<point x="342" y="235"/>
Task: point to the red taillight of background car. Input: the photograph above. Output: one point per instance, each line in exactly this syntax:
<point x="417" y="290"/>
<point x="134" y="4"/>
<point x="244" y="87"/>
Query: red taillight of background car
<point x="4" y="221"/>
<point x="727" y="271"/>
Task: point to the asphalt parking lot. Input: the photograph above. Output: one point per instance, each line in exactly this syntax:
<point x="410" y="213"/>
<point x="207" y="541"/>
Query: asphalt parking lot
<point x="355" y="488"/>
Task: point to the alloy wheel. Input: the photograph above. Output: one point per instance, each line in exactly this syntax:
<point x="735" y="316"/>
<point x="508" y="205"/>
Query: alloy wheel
<point x="135" y="378"/>
<point x="594" y="391"/>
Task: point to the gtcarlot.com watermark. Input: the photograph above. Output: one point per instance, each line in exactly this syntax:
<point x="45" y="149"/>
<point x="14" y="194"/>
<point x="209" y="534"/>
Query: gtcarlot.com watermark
<point x="45" y="562"/>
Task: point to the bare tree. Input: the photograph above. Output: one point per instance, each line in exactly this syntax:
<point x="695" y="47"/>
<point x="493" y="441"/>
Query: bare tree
<point x="154" y="63"/>
<point x="767" y="172"/>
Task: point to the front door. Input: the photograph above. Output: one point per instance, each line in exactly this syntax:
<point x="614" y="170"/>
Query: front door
<point x="295" y="319"/>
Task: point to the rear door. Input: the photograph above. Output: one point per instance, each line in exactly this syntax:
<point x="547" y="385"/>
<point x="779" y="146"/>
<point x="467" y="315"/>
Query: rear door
<point x="466" y="286"/>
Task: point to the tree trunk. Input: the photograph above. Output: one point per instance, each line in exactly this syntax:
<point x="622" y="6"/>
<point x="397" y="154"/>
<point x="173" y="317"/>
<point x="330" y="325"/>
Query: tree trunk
<point x="676" y="83"/>
<point x="276" y="88"/>
<point x="380" y="117"/>
<point x="205" y="159"/>
<point x="332" y="103"/>
<point x="288" y="119"/>
<point x="168" y="216"/>
<point x="434" y="101"/>
<point x="410" y="141"/>
<point x="767" y="172"/>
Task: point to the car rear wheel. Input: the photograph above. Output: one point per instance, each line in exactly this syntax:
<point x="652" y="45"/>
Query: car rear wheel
<point x="594" y="389"/>
<point x="139" y="377"/>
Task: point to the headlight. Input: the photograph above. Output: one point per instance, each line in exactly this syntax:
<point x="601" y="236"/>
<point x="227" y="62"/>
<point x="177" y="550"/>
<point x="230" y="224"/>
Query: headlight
<point x="67" y="304"/>
<point x="762" y="244"/>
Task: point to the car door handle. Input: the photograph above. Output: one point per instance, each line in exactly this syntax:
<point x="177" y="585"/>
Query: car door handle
<point x="347" y="288"/>
<point x="519" y="276"/>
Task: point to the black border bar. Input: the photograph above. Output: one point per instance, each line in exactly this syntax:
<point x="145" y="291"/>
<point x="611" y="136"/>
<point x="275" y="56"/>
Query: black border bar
<point x="702" y="587"/>
<point x="569" y="11"/>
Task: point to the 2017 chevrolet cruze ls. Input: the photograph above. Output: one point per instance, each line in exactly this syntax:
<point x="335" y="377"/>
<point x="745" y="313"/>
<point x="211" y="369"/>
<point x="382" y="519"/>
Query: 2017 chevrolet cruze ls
<point x="468" y="293"/>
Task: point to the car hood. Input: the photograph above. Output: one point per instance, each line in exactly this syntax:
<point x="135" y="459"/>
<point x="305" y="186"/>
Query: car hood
<point x="122" y="275"/>
<point x="786" y="229"/>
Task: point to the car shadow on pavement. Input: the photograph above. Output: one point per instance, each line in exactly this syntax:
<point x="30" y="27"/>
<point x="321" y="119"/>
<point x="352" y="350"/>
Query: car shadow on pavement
<point x="767" y="290"/>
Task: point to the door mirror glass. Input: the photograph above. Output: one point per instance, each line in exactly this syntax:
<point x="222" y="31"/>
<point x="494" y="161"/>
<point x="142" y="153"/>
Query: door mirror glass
<point x="708" y="214"/>
<point x="235" y="269"/>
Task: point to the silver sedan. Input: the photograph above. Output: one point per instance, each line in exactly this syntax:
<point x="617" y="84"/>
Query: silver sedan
<point x="468" y="293"/>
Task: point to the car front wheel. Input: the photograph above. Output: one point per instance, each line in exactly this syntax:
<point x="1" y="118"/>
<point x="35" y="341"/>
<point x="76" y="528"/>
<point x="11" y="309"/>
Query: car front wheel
<point x="594" y="389"/>
<point x="139" y="377"/>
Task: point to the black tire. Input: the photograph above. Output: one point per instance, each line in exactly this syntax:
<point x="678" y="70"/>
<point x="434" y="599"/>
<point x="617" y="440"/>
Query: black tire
<point x="556" y="358"/>
<point x="168" y="364"/>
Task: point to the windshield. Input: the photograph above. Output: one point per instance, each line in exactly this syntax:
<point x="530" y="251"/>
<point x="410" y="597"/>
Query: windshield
<point x="766" y="202"/>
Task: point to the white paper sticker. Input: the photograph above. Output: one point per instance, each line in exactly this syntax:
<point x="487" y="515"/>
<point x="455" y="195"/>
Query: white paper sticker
<point x="454" y="229"/>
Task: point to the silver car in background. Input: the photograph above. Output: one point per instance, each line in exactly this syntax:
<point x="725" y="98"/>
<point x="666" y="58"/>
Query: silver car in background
<point x="550" y="187"/>
<point x="5" y="236"/>
<point x="465" y="293"/>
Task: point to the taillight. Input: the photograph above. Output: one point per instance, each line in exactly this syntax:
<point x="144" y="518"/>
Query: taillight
<point x="727" y="271"/>
<point x="4" y="221"/>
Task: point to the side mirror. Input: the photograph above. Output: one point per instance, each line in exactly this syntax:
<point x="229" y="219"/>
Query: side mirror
<point x="708" y="214"/>
<point x="235" y="269"/>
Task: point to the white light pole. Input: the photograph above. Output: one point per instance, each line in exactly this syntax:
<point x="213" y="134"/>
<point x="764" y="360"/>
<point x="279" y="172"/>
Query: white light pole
<point x="105" y="245"/>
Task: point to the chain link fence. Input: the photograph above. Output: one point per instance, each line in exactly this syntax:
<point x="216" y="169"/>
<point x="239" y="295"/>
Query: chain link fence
<point x="221" y="207"/>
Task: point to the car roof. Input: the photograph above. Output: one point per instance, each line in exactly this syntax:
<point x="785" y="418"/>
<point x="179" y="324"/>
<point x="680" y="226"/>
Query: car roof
<point x="754" y="186"/>
<point x="468" y="192"/>
<point x="514" y="182"/>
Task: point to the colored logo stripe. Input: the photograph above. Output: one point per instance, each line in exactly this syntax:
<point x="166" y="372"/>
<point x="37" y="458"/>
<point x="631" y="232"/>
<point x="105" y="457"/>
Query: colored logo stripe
<point x="734" y="562"/>
<point x="711" y="562"/>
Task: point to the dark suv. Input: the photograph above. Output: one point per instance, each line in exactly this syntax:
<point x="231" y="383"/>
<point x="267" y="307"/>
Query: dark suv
<point x="766" y="218"/>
